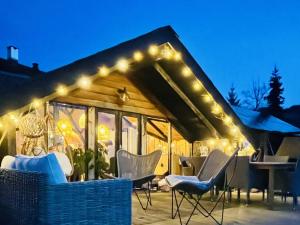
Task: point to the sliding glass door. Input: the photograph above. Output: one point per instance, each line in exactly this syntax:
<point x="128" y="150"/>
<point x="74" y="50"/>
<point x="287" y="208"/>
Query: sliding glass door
<point x="130" y="133"/>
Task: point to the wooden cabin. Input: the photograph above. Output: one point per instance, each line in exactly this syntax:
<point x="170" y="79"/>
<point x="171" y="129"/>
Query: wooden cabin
<point x="141" y="95"/>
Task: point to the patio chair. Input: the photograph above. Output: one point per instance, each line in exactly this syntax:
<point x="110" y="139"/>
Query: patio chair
<point x="26" y="198"/>
<point x="246" y="177"/>
<point x="140" y="169"/>
<point x="192" y="188"/>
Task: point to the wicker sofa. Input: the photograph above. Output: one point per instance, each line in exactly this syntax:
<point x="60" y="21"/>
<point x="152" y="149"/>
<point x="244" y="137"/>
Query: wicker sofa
<point x="26" y="198"/>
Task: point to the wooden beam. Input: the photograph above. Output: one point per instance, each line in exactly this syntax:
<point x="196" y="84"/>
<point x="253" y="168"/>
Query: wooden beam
<point x="183" y="96"/>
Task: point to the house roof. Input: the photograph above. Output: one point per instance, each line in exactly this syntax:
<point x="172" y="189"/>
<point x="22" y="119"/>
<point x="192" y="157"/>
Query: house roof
<point x="264" y="122"/>
<point x="189" y="120"/>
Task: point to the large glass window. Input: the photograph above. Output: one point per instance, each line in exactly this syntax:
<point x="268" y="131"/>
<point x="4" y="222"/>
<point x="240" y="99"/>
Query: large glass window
<point x="68" y="128"/>
<point x="130" y="134"/>
<point x="106" y="132"/>
<point x="157" y="139"/>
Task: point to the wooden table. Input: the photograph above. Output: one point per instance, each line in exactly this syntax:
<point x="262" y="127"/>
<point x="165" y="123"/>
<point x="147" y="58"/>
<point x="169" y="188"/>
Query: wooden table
<point x="272" y="166"/>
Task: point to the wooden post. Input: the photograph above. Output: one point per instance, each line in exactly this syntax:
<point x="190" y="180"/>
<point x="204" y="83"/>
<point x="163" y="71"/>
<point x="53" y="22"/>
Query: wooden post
<point x="91" y="137"/>
<point x="170" y="147"/>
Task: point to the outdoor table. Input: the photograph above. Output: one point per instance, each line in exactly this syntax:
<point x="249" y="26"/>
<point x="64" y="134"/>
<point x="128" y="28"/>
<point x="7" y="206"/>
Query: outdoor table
<point x="271" y="167"/>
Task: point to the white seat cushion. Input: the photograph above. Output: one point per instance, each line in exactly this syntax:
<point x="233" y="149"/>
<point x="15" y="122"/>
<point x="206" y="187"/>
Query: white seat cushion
<point x="64" y="163"/>
<point x="8" y="162"/>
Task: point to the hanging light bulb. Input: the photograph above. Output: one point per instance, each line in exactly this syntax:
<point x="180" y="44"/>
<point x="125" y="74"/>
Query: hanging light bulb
<point x="186" y="71"/>
<point x="138" y="56"/>
<point x="122" y="65"/>
<point x="153" y="50"/>
<point x="177" y="56"/>
<point x="103" y="71"/>
<point x="62" y="90"/>
<point x="207" y="98"/>
<point x="84" y="82"/>
<point x="216" y="109"/>
<point x="36" y="103"/>
<point x="234" y="130"/>
<point x="196" y="86"/>
<point x="227" y="120"/>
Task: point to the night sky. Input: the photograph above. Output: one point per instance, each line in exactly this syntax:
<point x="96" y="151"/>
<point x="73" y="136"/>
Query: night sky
<point x="233" y="41"/>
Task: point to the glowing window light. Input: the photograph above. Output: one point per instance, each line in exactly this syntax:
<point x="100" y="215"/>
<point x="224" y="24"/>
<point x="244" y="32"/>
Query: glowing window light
<point x="153" y="50"/>
<point x="177" y="56"/>
<point x="196" y="86"/>
<point x="104" y="133"/>
<point x="211" y="142"/>
<point x="216" y="109"/>
<point x="36" y="103"/>
<point x="103" y="71"/>
<point x="227" y="120"/>
<point x="122" y="65"/>
<point x="62" y="90"/>
<point x="138" y="56"/>
<point x="84" y="82"/>
<point x="207" y="98"/>
<point x="186" y="71"/>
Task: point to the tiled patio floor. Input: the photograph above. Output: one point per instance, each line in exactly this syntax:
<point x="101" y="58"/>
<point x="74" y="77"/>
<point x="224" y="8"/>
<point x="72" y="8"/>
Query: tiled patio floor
<point x="235" y="213"/>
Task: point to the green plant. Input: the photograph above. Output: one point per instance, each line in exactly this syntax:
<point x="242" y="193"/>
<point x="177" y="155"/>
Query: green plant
<point x="101" y="165"/>
<point x="82" y="162"/>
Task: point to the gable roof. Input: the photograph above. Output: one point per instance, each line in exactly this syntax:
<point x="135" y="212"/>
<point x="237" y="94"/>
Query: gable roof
<point x="46" y="84"/>
<point x="264" y="122"/>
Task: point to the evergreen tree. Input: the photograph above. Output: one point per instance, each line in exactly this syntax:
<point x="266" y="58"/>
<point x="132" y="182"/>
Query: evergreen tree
<point x="275" y="98"/>
<point x="232" y="97"/>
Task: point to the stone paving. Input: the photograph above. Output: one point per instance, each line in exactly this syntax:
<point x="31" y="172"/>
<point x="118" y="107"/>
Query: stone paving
<point x="236" y="212"/>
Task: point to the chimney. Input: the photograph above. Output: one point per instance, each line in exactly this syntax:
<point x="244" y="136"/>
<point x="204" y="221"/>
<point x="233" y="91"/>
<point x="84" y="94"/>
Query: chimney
<point x="12" y="53"/>
<point x="35" y="66"/>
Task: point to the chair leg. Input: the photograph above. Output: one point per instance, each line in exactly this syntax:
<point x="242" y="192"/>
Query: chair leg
<point x="239" y="194"/>
<point x="148" y="196"/>
<point x="263" y="195"/>
<point x="248" y="197"/>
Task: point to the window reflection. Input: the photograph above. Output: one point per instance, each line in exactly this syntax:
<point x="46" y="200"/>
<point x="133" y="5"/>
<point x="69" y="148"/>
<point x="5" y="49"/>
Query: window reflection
<point x="130" y="134"/>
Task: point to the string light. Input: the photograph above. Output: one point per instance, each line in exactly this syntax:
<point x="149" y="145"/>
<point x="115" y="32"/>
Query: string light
<point x="234" y="130"/>
<point x="207" y="98"/>
<point x="14" y="118"/>
<point x="177" y="56"/>
<point x="62" y="90"/>
<point x="36" y="103"/>
<point x="186" y="71"/>
<point x="122" y="65"/>
<point x="227" y="120"/>
<point x="138" y="56"/>
<point x="153" y="50"/>
<point x="216" y="109"/>
<point x="84" y="82"/>
<point x="103" y="71"/>
<point x="196" y="86"/>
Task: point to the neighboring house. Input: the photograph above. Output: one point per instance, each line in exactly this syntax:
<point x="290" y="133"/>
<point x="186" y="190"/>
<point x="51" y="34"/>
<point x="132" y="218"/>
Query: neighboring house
<point x="150" y="94"/>
<point x="291" y="115"/>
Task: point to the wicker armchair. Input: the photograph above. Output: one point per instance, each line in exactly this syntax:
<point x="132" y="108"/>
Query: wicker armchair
<point x="140" y="169"/>
<point x="25" y="198"/>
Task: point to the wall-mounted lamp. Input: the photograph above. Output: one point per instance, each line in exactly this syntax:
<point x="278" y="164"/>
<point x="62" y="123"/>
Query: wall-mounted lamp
<point x="123" y="95"/>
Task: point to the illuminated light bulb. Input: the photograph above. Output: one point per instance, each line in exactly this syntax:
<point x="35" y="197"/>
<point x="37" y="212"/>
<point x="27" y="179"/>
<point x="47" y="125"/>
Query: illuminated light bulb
<point x="177" y="56"/>
<point x="234" y="130"/>
<point x="196" y="86"/>
<point x="14" y="118"/>
<point x="224" y="142"/>
<point x="186" y="71"/>
<point x="207" y="98"/>
<point x="103" y="71"/>
<point x="84" y="82"/>
<point x="227" y="120"/>
<point x="62" y="90"/>
<point x="122" y="65"/>
<point x="153" y="50"/>
<point x="138" y="56"/>
<point x="216" y="109"/>
<point x="36" y="103"/>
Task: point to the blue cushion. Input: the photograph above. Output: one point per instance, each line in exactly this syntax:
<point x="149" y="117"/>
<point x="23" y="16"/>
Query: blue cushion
<point x="47" y="164"/>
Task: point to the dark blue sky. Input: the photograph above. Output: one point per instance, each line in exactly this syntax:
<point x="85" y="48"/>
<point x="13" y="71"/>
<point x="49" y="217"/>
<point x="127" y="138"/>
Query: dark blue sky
<point x="233" y="41"/>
